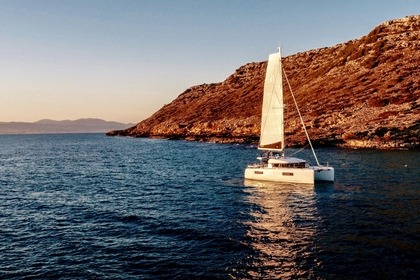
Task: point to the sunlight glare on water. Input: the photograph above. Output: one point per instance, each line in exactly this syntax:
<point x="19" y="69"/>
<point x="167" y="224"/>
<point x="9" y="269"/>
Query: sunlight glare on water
<point x="282" y="230"/>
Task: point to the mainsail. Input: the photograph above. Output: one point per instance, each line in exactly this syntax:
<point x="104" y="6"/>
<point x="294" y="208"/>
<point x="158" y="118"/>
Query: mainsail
<point x="272" y="128"/>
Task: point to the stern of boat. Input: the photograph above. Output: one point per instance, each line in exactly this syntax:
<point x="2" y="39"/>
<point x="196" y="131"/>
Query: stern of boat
<point x="323" y="173"/>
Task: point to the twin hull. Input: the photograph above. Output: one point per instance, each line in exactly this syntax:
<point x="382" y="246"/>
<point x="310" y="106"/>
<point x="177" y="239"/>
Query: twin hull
<point x="292" y="175"/>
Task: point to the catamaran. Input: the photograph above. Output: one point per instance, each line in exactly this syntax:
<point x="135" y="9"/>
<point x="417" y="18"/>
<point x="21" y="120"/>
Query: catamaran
<point x="274" y="165"/>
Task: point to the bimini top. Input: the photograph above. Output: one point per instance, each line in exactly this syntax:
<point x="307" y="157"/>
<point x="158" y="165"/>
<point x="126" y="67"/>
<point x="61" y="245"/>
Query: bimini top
<point x="286" y="160"/>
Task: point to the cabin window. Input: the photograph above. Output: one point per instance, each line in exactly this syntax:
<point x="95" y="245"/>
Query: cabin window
<point x="293" y="165"/>
<point x="258" y="172"/>
<point x="287" y="173"/>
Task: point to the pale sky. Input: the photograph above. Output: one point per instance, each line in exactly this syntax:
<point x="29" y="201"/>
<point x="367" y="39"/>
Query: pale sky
<point x="123" y="60"/>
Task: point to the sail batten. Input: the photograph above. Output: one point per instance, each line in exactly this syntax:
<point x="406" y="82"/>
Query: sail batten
<point x="272" y="128"/>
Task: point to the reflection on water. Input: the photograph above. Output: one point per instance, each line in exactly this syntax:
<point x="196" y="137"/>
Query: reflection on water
<point x="282" y="230"/>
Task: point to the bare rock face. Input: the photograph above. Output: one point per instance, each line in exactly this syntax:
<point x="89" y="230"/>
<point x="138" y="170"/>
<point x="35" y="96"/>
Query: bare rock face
<point x="364" y="93"/>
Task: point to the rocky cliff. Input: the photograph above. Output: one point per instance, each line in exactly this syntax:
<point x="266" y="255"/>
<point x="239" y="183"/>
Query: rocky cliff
<point x="362" y="93"/>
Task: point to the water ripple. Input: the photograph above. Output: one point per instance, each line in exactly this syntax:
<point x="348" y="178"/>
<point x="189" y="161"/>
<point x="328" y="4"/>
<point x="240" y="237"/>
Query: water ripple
<point x="92" y="207"/>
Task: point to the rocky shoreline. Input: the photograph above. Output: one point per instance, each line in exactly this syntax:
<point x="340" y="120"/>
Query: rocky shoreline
<point x="378" y="143"/>
<point x="364" y="93"/>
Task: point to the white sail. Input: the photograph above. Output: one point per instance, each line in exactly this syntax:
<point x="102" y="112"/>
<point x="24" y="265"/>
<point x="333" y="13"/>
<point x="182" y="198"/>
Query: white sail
<point x="272" y="128"/>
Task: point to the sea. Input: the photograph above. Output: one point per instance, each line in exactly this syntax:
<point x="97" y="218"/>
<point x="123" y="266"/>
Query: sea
<point x="87" y="206"/>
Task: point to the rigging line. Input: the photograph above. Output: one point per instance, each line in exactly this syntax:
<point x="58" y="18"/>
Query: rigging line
<point x="301" y="119"/>
<point x="299" y="150"/>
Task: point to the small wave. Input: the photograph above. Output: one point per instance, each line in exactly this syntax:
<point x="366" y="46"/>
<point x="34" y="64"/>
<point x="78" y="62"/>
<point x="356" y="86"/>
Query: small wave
<point x="130" y="218"/>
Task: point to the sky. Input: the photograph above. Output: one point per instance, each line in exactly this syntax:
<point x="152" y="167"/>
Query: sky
<point x="123" y="60"/>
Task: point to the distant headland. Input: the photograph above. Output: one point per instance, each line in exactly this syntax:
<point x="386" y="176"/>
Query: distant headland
<point x="67" y="126"/>
<point x="364" y="93"/>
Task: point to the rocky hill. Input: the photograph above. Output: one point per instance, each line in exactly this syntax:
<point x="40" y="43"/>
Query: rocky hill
<point x="362" y="93"/>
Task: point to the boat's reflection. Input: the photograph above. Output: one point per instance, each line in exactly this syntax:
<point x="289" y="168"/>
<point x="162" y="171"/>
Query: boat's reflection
<point x="281" y="231"/>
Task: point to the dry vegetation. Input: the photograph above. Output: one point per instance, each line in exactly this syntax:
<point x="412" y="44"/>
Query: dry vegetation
<point x="363" y="93"/>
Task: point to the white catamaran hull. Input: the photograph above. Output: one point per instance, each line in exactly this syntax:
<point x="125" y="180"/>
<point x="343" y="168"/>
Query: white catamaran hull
<point x="323" y="173"/>
<point x="290" y="175"/>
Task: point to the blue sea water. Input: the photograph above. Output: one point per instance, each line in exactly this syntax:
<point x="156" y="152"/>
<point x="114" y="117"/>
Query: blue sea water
<point x="87" y="206"/>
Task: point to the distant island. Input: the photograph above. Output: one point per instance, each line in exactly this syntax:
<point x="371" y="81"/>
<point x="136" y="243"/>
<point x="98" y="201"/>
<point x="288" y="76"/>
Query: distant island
<point x="89" y="125"/>
<point x="364" y="93"/>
